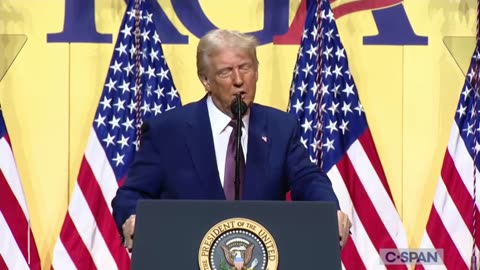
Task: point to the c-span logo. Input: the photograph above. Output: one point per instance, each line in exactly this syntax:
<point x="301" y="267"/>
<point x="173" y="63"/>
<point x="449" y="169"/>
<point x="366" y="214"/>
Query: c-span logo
<point x="238" y="244"/>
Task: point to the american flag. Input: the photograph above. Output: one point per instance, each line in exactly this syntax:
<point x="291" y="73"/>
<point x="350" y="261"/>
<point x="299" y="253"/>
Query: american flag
<point x="451" y="225"/>
<point x="334" y="130"/>
<point x="89" y="238"/>
<point x="17" y="246"/>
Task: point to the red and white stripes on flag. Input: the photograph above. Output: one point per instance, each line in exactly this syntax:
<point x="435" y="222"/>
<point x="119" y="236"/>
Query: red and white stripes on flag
<point x="17" y="245"/>
<point x="363" y="192"/>
<point x="89" y="238"/>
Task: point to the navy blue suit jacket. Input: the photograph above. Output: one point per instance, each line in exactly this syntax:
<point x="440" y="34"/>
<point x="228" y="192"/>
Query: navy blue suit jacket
<point x="177" y="160"/>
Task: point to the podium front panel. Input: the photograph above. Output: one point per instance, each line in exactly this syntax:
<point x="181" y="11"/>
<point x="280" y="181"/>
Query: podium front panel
<point x="169" y="234"/>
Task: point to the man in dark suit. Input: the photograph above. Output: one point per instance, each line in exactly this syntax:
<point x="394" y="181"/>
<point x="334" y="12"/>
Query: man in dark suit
<point x="184" y="152"/>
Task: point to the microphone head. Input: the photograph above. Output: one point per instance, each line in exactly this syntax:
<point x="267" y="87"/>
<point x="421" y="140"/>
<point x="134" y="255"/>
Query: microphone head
<point x="237" y="105"/>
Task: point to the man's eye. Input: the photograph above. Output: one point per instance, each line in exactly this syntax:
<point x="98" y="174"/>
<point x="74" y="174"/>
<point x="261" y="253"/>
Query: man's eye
<point x="246" y="67"/>
<point x="225" y="73"/>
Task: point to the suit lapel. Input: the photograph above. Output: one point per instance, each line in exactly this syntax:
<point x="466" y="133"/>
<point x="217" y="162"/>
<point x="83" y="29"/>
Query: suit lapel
<point x="257" y="153"/>
<point x="202" y="150"/>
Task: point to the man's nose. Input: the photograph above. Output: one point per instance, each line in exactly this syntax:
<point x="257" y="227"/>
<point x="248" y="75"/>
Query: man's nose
<point x="237" y="77"/>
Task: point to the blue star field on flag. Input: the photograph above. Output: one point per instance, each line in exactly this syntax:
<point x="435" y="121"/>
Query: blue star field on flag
<point x="115" y="120"/>
<point x="468" y="109"/>
<point x="327" y="105"/>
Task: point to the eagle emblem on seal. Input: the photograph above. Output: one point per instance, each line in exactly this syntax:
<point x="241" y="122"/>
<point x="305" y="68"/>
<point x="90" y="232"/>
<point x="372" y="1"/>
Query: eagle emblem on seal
<point x="238" y="254"/>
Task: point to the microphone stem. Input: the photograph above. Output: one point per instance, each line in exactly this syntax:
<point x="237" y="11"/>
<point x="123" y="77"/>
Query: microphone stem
<point x="238" y="117"/>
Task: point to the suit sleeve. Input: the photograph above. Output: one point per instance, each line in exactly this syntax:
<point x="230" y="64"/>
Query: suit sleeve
<point x="143" y="180"/>
<point x="307" y="182"/>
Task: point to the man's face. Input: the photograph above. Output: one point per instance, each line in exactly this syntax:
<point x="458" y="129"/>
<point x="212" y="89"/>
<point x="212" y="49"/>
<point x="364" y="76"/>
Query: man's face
<point x="231" y="71"/>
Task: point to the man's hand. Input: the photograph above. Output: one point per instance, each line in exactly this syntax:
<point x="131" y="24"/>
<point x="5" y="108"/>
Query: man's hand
<point x="128" y="228"/>
<point x="344" y="226"/>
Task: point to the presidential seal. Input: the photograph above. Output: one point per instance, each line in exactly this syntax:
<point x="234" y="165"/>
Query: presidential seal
<point x="238" y="244"/>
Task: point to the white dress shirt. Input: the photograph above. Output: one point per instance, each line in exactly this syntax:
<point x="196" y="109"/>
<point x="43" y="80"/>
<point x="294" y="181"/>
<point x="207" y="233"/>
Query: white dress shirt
<point x="221" y="134"/>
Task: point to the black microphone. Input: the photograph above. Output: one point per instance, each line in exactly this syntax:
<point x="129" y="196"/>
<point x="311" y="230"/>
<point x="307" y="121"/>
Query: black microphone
<point x="239" y="108"/>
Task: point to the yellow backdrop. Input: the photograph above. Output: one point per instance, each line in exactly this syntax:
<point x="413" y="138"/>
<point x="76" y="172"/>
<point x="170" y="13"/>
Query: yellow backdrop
<point x="50" y="92"/>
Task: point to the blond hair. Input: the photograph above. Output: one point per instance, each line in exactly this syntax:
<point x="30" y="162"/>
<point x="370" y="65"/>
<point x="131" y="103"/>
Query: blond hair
<point x="217" y="39"/>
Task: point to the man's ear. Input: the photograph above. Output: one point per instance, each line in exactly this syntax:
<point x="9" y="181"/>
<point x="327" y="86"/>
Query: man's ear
<point x="204" y="80"/>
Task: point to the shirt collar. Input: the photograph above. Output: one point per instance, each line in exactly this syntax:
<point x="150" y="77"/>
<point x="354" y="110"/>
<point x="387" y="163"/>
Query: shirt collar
<point x="219" y="120"/>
